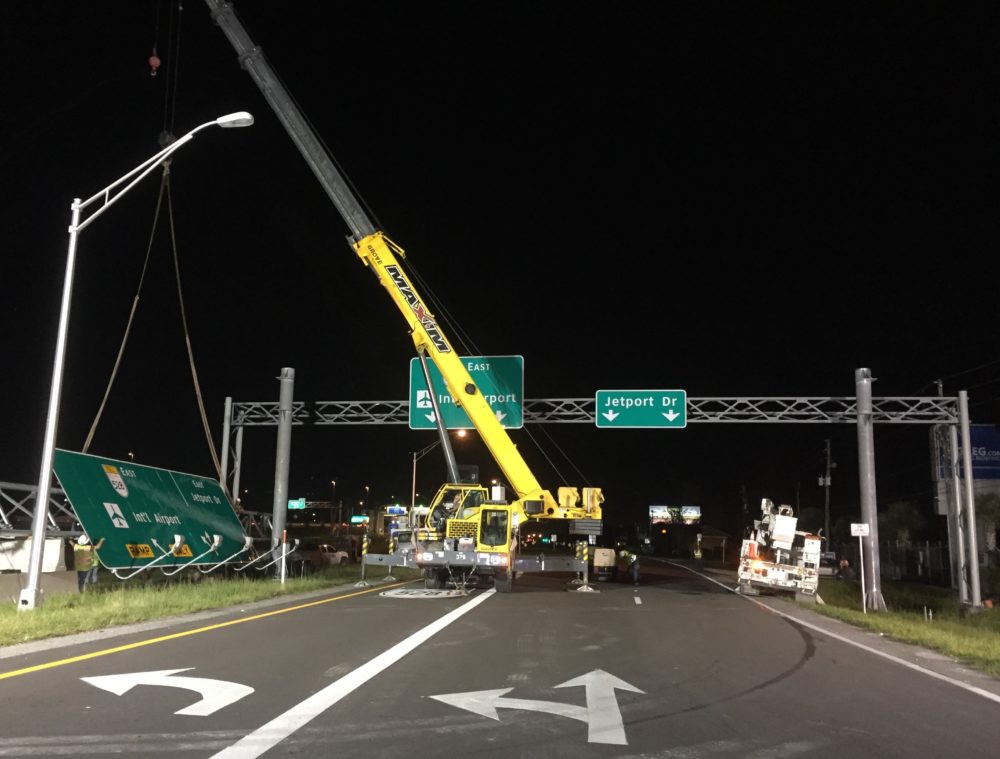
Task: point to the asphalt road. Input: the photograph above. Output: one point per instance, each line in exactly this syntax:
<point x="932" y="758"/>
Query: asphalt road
<point x="677" y="667"/>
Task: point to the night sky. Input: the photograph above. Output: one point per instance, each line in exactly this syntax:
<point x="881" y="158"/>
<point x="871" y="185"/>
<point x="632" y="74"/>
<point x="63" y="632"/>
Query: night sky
<point x="742" y="199"/>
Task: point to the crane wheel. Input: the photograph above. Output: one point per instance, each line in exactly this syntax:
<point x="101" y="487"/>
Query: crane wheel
<point x="503" y="582"/>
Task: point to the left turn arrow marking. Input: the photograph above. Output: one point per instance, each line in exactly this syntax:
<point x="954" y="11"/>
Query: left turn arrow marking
<point x="215" y="694"/>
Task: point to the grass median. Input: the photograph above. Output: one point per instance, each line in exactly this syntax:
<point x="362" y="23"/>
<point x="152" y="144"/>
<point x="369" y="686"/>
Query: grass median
<point x="113" y="603"/>
<point x="922" y="615"/>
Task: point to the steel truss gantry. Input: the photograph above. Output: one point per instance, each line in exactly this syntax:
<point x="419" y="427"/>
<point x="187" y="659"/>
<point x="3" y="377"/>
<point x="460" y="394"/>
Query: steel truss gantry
<point x="861" y="410"/>
<point x="735" y="409"/>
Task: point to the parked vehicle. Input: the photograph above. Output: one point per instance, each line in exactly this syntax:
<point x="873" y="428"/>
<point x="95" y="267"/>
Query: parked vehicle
<point x="604" y="563"/>
<point x="325" y="555"/>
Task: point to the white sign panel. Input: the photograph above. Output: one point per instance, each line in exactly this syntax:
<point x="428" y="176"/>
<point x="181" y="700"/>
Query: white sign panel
<point x="860" y="530"/>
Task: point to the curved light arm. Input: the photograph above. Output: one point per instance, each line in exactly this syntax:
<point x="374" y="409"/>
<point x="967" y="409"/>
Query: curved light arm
<point x="417" y="455"/>
<point x="31" y="594"/>
<point x="239" y="119"/>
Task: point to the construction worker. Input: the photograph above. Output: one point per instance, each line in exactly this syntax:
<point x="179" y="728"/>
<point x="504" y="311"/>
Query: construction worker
<point x="85" y="559"/>
<point x="631" y="563"/>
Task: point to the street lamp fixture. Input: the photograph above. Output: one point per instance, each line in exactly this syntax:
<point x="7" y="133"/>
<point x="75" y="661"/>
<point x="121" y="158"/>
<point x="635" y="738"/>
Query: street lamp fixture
<point x="31" y="595"/>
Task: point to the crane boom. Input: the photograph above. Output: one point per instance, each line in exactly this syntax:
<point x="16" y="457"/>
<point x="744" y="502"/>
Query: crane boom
<point x="382" y="257"/>
<point x="252" y="59"/>
<point x="378" y="253"/>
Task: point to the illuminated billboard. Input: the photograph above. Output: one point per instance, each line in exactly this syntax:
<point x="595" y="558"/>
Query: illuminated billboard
<point x="675" y="514"/>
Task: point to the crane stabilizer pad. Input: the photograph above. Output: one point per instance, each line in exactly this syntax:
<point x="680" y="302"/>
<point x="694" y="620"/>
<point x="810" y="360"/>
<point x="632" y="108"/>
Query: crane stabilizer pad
<point x="421" y="593"/>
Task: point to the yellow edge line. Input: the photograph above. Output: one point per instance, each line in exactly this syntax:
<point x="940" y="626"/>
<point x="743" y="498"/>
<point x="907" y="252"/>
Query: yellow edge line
<point x="174" y="636"/>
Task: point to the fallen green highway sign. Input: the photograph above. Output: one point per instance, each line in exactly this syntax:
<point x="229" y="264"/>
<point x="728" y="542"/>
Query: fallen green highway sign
<point x="140" y="511"/>
<point x="641" y="408"/>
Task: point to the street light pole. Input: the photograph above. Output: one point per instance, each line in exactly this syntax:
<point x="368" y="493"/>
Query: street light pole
<point x="333" y="505"/>
<point x="826" y="495"/>
<point x="417" y="455"/>
<point x="31" y="595"/>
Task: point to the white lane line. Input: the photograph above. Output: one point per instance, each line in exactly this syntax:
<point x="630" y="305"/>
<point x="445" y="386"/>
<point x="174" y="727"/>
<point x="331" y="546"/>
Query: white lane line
<point x="270" y="735"/>
<point x="910" y="665"/>
<point x="638" y="601"/>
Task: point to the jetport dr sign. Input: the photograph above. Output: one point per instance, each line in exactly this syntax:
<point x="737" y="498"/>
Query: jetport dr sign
<point x="641" y="408"/>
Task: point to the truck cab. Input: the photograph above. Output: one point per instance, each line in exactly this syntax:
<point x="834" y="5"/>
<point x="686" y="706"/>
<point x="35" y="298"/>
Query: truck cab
<point x="467" y="538"/>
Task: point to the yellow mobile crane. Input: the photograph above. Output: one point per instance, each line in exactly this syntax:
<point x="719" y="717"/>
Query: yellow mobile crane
<point x="466" y="534"/>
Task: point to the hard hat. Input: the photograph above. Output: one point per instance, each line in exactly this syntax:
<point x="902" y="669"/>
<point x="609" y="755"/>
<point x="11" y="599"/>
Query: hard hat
<point x="82" y="540"/>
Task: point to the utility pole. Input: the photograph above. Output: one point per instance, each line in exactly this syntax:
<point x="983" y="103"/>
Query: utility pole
<point x="826" y="494"/>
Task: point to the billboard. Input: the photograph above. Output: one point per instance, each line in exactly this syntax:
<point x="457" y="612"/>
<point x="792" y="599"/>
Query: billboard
<point x="985" y="450"/>
<point x="985" y="445"/>
<point x="659" y="515"/>
<point x="140" y="511"/>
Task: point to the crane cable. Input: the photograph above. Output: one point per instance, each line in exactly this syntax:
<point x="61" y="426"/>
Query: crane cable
<point x="166" y="137"/>
<point x="164" y="191"/>
<point x="187" y="334"/>
<point x="131" y="317"/>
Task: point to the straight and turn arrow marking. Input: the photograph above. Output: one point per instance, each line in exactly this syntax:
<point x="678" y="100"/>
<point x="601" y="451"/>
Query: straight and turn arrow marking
<point x="602" y="715"/>
<point x="215" y="694"/>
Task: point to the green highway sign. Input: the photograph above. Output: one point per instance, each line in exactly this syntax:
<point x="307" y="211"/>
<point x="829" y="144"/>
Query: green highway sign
<point x="499" y="378"/>
<point x="641" y="408"/>
<point x="297" y="503"/>
<point x="139" y="511"/>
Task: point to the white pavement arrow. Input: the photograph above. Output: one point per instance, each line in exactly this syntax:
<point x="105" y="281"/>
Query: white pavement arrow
<point x="486" y="703"/>
<point x="215" y="694"/>
<point x="602" y="715"/>
<point x="671" y="415"/>
<point x="605" y="722"/>
<point x="610" y="415"/>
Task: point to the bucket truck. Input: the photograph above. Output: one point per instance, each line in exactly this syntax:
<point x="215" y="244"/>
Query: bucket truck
<point x="777" y="557"/>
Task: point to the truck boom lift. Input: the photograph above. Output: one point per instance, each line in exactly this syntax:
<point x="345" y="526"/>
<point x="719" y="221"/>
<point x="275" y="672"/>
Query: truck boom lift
<point x="453" y="527"/>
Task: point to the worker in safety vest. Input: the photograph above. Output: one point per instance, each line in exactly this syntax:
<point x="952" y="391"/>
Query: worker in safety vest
<point x="85" y="559"/>
<point x="631" y="563"/>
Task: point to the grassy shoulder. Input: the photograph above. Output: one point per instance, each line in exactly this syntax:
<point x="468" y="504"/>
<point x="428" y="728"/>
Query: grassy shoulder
<point x="113" y="603"/>
<point x="922" y="615"/>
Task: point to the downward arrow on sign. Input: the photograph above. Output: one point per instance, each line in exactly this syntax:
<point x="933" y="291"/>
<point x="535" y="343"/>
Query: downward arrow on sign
<point x="610" y="415"/>
<point x="671" y="415"/>
<point x="215" y="694"/>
